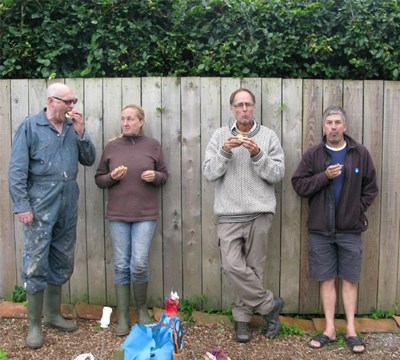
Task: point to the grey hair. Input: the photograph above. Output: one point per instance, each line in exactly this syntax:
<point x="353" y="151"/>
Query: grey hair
<point x="334" y="110"/>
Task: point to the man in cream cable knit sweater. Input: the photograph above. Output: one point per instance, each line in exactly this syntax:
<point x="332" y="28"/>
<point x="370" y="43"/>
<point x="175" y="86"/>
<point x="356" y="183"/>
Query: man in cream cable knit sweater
<point x="245" y="160"/>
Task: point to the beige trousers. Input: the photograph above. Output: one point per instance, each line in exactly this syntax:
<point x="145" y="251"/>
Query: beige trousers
<point x="243" y="255"/>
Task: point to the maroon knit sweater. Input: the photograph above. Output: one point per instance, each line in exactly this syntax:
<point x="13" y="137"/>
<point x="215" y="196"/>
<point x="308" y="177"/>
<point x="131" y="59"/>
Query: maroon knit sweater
<point x="131" y="198"/>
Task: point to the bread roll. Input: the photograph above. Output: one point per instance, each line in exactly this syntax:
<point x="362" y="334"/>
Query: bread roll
<point x="122" y="169"/>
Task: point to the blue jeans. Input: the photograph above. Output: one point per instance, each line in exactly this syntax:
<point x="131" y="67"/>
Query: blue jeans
<point x="131" y="242"/>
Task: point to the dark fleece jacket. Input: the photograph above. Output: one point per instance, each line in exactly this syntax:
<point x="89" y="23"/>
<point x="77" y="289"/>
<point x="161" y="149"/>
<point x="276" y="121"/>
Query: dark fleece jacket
<point x="358" y="192"/>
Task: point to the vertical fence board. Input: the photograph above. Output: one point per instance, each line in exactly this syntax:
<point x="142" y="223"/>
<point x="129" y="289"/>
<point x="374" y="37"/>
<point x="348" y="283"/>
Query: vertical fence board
<point x="271" y="110"/>
<point x="152" y="104"/>
<point x="191" y="186"/>
<point x="372" y="134"/>
<point x="19" y="111"/>
<point x="172" y="209"/>
<point x="78" y="284"/>
<point x="333" y="93"/>
<point x="37" y="95"/>
<point x="389" y="236"/>
<point x="112" y="100"/>
<point x="8" y="271"/>
<point x="291" y="206"/>
<point x="228" y="86"/>
<point x="353" y="105"/>
<point x="94" y="196"/>
<point x="312" y="135"/>
<point x="211" y="264"/>
<point x="255" y="85"/>
<point x="131" y="91"/>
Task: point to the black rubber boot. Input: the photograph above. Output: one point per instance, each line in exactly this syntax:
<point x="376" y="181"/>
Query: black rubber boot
<point x="34" y="339"/>
<point x="52" y="313"/>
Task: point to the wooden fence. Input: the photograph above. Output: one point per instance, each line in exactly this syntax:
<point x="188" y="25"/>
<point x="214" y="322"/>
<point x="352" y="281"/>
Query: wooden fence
<point x="183" y="113"/>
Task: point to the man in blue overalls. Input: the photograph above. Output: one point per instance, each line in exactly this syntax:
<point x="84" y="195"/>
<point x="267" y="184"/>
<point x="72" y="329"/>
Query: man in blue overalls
<point x="42" y="180"/>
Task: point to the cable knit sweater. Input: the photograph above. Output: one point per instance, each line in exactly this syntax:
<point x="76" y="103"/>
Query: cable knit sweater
<point x="244" y="184"/>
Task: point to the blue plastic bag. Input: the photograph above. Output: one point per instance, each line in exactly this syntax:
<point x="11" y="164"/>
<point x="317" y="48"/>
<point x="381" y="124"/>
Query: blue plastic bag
<point x="152" y="341"/>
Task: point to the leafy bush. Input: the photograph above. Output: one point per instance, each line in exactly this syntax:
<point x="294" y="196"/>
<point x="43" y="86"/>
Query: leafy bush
<point x="188" y="306"/>
<point x="18" y="295"/>
<point x="379" y="313"/>
<point x="349" y="39"/>
<point x="289" y="330"/>
<point x="3" y="354"/>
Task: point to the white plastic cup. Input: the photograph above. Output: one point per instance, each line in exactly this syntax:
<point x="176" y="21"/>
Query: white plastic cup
<point x="85" y="357"/>
<point x="105" y="319"/>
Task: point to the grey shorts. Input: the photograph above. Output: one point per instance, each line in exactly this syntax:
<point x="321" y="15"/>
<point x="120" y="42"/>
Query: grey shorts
<point x="338" y="255"/>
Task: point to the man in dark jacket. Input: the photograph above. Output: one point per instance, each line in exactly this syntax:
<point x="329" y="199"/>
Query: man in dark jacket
<point x="338" y="178"/>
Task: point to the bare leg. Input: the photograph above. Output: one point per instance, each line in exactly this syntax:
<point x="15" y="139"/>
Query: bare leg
<point x="328" y="297"/>
<point x="349" y="294"/>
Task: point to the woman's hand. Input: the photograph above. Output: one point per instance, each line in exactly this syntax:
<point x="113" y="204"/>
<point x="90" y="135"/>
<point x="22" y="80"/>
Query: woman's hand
<point x="119" y="172"/>
<point x="148" y="175"/>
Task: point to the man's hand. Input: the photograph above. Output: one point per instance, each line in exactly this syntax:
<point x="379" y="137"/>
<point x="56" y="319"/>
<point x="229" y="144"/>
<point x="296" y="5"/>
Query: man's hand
<point x="231" y="142"/>
<point x="251" y="146"/>
<point x="235" y="141"/>
<point x="79" y="124"/>
<point x="26" y="217"/>
<point x="333" y="171"/>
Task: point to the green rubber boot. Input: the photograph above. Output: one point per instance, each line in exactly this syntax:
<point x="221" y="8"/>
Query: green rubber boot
<point x="140" y="292"/>
<point x="34" y="339"/>
<point x="52" y="313"/>
<point x="123" y="298"/>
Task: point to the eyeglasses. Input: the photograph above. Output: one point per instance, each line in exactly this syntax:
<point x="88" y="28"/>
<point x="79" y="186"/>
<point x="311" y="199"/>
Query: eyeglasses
<point x="66" y="102"/>
<point x="243" y="104"/>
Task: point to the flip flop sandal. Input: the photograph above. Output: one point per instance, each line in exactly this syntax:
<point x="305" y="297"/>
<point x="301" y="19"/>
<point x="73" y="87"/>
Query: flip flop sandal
<point x="323" y="340"/>
<point x="353" y="341"/>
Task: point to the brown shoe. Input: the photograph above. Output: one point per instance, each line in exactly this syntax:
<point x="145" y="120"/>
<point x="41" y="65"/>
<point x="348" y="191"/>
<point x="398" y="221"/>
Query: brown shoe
<point x="272" y="319"/>
<point x="243" y="332"/>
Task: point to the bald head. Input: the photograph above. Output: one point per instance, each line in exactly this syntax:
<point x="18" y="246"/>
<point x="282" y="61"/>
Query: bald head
<point x="60" y="100"/>
<point x="58" y="89"/>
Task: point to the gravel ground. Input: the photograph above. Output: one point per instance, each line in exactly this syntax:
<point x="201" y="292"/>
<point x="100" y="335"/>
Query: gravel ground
<point x="90" y="338"/>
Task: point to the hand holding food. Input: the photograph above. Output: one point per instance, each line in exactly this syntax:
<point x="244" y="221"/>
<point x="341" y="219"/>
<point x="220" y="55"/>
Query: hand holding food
<point x="232" y="142"/>
<point x="77" y="118"/>
<point x="333" y="171"/>
<point x="119" y="172"/>
<point x="251" y="146"/>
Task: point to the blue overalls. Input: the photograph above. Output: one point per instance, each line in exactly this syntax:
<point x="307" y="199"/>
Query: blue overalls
<point x="42" y="179"/>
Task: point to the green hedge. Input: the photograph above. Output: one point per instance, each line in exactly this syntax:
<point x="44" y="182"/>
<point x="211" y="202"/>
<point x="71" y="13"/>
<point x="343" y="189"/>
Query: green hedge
<point x="349" y="39"/>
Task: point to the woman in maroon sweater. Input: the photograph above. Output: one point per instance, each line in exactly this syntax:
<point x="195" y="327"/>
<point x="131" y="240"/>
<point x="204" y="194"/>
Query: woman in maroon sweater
<point x="132" y="168"/>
